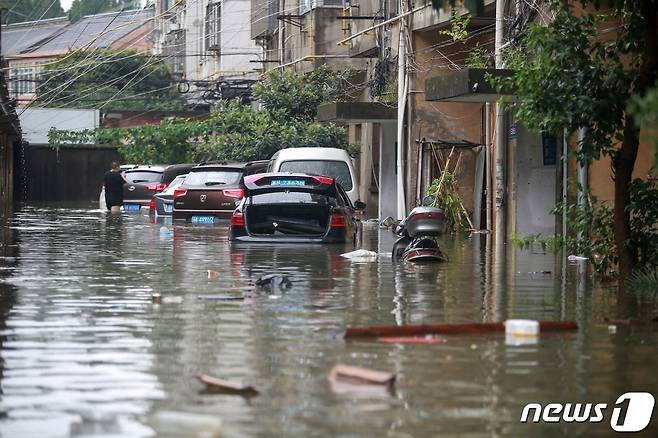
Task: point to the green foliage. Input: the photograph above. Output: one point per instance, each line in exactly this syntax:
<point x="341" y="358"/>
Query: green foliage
<point x="645" y="279"/>
<point x="460" y="23"/>
<point x="479" y="57"/>
<point x="18" y="11"/>
<point x="125" y="80"/>
<point x="298" y="96"/>
<point x="235" y="132"/>
<point x="80" y="8"/>
<point x="446" y="197"/>
<point x="571" y="80"/>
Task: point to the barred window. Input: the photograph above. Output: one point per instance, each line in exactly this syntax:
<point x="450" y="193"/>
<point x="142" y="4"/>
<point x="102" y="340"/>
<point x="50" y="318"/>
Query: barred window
<point x="213" y="26"/>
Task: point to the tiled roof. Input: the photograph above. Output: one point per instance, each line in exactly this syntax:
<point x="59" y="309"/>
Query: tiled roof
<point x="21" y="36"/>
<point x="93" y="31"/>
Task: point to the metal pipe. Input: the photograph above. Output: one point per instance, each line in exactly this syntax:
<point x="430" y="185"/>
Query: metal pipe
<point x="487" y="159"/>
<point x="582" y="176"/>
<point x="383" y="23"/>
<point x="402" y="97"/>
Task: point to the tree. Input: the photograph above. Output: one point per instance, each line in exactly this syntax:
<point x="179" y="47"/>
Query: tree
<point x="576" y="77"/>
<point x="80" y="8"/>
<point x="298" y="95"/>
<point x="235" y="131"/>
<point x="124" y="80"/>
<point x="19" y="11"/>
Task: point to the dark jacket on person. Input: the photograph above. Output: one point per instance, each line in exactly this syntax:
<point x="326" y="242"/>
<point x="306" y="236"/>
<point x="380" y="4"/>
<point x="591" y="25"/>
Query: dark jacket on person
<point x="113" y="182"/>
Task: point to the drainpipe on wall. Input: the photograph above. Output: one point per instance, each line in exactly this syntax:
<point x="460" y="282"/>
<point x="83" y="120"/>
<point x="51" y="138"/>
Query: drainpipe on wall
<point x="487" y="160"/>
<point x="582" y="176"/>
<point x="402" y="95"/>
<point x="499" y="136"/>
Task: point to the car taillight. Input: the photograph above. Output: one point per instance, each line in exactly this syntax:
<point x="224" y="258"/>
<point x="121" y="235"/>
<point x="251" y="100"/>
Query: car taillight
<point x="152" y="204"/>
<point x="156" y="187"/>
<point x="180" y="192"/>
<point x="338" y="220"/>
<point x="323" y="179"/>
<point x="237" y="219"/>
<point x="233" y="193"/>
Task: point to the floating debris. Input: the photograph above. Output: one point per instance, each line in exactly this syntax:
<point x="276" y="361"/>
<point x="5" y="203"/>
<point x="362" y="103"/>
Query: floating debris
<point x="274" y="281"/>
<point x="414" y="340"/>
<point x="172" y="423"/>
<point x="362" y="375"/>
<point x="221" y="297"/>
<point x="215" y="385"/>
<point x="212" y="274"/>
<point x="387" y="331"/>
<point x="360" y="254"/>
<point x="156" y="298"/>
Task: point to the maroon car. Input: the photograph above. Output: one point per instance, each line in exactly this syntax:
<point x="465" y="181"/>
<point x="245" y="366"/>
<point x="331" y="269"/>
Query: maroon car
<point x="211" y="191"/>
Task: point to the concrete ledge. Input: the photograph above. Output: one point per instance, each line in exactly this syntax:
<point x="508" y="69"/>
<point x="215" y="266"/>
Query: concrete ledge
<point x="356" y="112"/>
<point x="467" y="85"/>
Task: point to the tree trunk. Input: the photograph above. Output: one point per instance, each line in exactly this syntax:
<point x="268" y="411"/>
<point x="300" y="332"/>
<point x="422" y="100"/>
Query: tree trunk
<point x="623" y="164"/>
<point x="624" y="159"/>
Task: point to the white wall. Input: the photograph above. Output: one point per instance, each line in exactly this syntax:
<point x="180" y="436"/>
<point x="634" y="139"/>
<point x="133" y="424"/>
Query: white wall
<point x="36" y="122"/>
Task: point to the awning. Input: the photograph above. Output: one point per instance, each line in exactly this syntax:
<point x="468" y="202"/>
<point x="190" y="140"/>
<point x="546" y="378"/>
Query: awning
<point x="356" y="112"/>
<point x="467" y="85"/>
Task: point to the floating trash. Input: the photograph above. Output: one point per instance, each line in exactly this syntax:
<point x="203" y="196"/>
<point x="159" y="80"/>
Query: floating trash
<point x="215" y="385"/>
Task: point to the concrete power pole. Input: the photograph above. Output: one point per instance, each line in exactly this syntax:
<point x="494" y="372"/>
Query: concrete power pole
<point x="499" y="153"/>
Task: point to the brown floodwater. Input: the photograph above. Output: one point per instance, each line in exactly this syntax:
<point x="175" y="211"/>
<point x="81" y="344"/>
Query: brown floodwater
<point x="85" y="352"/>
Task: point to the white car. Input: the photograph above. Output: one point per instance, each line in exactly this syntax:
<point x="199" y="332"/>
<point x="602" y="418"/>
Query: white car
<point x="332" y="162"/>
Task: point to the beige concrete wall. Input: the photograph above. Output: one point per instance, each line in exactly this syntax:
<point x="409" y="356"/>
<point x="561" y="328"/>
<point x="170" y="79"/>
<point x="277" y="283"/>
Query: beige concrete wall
<point x="442" y="120"/>
<point x="600" y="172"/>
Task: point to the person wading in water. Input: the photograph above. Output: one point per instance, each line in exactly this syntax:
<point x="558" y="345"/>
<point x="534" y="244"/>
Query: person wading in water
<point x="113" y="181"/>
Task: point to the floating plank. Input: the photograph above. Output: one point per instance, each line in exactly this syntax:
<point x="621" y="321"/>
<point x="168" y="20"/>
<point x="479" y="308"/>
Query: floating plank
<point x="361" y="374"/>
<point x="413" y="340"/>
<point x="389" y="331"/>
<point x="214" y="384"/>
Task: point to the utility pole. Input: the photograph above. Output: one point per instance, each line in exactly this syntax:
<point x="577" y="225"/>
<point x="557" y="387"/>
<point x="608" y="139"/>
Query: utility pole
<point x="402" y="97"/>
<point x="499" y="154"/>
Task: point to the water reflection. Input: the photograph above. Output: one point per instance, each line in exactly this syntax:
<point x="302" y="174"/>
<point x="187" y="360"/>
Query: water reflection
<point x="85" y="351"/>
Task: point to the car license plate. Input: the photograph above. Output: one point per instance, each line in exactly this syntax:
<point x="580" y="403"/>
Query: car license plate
<point x="288" y="182"/>
<point x="131" y="207"/>
<point x="168" y="208"/>
<point x="203" y="219"/>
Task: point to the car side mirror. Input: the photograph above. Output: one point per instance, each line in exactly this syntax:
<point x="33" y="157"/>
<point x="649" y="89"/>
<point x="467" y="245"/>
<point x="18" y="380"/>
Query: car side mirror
<point x="358" y="205"/>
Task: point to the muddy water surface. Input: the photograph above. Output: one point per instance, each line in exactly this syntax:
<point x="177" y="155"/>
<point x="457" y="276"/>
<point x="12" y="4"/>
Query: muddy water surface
<point x="85" y="352"/>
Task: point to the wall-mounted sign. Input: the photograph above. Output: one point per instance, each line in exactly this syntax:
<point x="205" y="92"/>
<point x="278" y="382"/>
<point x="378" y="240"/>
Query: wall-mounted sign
<point x="512" y="130"/>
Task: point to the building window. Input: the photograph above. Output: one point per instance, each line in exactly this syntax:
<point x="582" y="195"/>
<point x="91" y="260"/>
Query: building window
<point x="307" y="5"/>
<point x="213" y="27"/>
<point x="23" y="78"/>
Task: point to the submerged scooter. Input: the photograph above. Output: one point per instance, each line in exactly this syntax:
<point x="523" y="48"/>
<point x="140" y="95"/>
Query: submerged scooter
<point x="418" y="233"/>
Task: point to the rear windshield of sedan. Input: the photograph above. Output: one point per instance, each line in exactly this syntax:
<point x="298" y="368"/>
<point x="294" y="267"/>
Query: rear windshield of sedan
<point x="334" y="169"/>
<point x="171" y="188"/>
<point x="213" y="178"/>
<point x="143" y="176"/>
<point x="292" y="198"/>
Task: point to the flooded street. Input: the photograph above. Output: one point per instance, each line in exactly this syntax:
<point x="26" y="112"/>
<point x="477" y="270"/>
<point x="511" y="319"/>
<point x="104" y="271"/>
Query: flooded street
<point x="85" y="352"/>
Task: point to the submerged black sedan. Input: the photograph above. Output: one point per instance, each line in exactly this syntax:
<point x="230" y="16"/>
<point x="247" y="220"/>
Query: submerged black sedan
<point x="294" y="207"/>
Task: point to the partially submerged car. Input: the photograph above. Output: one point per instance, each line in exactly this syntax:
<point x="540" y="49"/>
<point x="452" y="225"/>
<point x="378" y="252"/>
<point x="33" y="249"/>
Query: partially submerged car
<point x="143" y="182"/>
<point x="294" y="207"/>
<point x="332" y="162"/>
<point x="211" y="191"/>
<point x="162" y="204"/>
